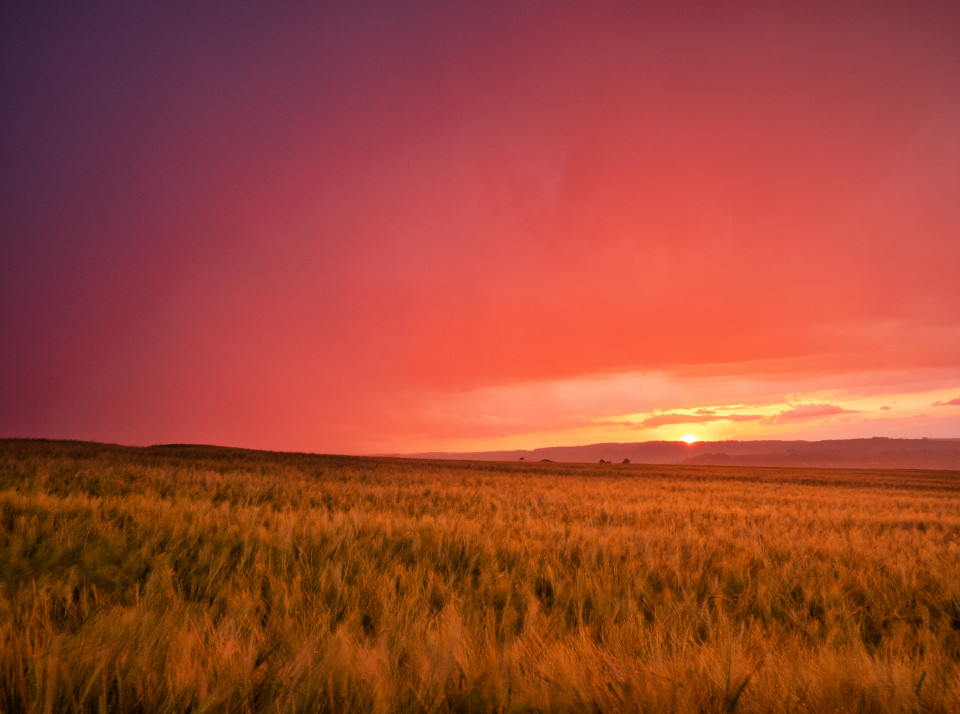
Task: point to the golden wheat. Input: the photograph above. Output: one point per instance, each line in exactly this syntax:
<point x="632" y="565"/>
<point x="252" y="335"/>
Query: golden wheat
<point x="187" y="578"/>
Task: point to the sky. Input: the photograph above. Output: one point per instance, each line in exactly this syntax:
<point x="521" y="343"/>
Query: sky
<point x="388" y="227"/>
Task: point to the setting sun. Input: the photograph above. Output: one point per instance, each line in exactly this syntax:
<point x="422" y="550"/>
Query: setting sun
<point x="689" y="438"/>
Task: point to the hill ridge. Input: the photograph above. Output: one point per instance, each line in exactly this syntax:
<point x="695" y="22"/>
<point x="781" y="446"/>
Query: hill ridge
<point x="867" y="452"/>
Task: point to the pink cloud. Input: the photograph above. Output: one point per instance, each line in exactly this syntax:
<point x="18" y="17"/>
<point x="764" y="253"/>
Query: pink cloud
<point x="809" y="411"/>
<point x="951" y="403"/>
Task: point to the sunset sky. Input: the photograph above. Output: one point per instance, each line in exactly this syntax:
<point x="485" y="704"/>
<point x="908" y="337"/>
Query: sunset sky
<point x="376" y="227"/>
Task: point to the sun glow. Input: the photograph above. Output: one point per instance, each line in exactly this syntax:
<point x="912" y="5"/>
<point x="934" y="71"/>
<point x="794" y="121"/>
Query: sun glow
<point x="689" y="438"/>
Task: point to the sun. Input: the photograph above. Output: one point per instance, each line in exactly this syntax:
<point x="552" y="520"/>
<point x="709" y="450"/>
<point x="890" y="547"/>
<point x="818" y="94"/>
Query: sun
<point x="689" y="438"/>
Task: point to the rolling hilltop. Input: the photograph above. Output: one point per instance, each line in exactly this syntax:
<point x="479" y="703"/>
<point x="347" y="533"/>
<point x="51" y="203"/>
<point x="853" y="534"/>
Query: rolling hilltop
<point x="878" y="452"/>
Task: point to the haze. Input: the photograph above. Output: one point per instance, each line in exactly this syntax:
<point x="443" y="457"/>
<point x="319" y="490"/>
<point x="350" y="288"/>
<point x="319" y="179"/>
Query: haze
<point x="386" y="228"/>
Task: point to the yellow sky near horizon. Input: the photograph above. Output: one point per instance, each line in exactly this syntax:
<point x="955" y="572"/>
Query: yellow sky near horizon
<point x="754" y="410"/>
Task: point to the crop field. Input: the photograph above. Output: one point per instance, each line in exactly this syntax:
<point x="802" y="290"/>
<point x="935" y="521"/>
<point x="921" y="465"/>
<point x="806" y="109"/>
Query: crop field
<point x="171" y="579"/>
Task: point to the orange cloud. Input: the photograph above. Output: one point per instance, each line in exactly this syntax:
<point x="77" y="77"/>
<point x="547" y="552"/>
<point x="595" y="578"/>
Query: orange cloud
<point x="665" y="419"/>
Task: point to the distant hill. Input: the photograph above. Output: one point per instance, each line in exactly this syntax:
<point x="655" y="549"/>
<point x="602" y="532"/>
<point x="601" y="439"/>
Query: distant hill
<point x="878" y="452"/>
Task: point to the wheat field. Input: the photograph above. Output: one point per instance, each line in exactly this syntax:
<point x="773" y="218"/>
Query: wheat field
<point x="172" y="579"/>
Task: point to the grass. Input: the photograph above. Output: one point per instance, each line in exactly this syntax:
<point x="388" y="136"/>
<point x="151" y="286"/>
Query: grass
<point x="197" y="579"/>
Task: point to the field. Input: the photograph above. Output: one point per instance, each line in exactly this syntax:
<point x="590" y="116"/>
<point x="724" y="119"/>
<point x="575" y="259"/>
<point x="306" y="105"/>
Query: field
<point x="192" y="578"/>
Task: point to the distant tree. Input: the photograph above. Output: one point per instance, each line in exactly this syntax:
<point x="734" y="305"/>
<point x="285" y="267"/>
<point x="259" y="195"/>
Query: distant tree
<point x="626" y="461"/>
<point x="602" y="461"/>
